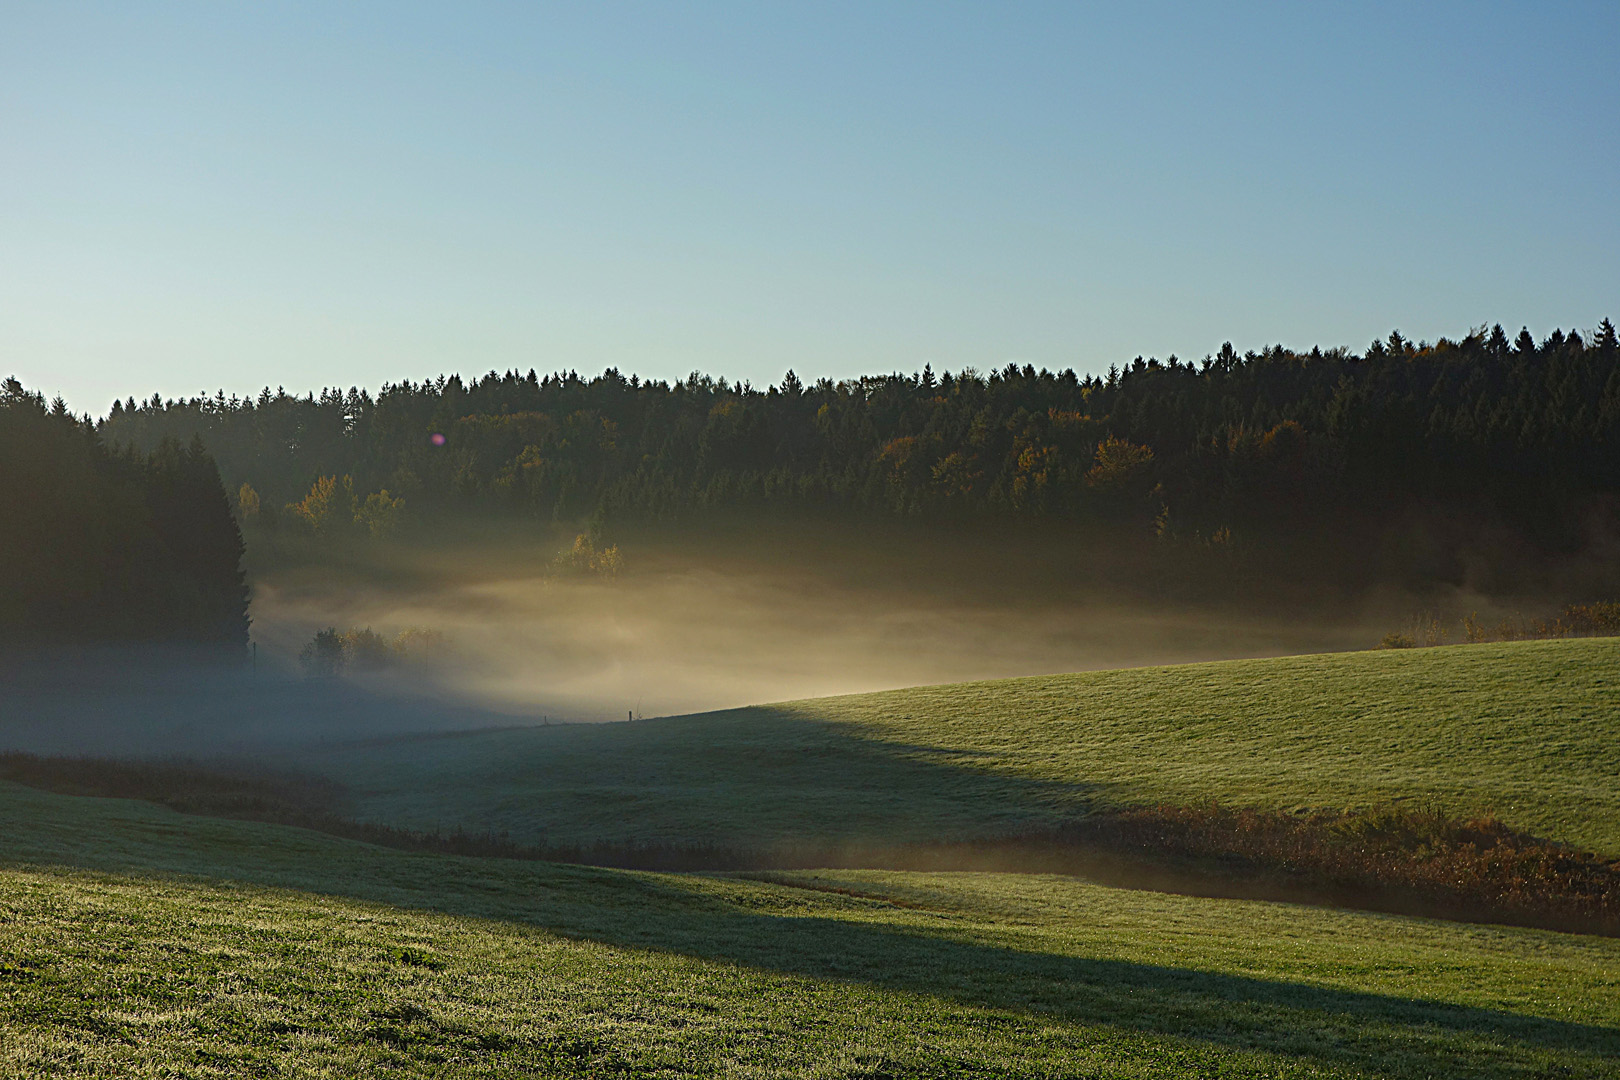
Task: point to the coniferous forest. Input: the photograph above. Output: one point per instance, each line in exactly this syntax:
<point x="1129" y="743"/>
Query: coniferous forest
<point x="1418" y="460"/>
<point x="1409" y="461"/>
<point x="112" y="544"/>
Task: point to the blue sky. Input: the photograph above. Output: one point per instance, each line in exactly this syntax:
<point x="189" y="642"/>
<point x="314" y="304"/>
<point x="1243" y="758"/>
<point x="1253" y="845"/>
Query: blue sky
<point x="213" y="195"/>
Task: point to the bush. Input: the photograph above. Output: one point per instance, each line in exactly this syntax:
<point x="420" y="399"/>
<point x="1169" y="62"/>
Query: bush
<point x="586" y="558"/>
<point x="1594" y="620"/>
<point x="323" y="656"/>
<point x="333" y="652"/>
<point x="333" y="508"/>
<point x="1597" y="619"/>
<point x="380" y="514"/>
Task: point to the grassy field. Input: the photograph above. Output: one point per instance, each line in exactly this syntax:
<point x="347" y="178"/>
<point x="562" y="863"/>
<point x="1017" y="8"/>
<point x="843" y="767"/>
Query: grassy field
<point x="139" y="942"/>
<point x="1526" y="730"/>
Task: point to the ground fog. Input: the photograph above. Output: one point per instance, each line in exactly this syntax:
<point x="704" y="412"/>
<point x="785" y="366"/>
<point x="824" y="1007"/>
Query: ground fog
<point x="684" y="623"/>
<point x="683" y="628"/>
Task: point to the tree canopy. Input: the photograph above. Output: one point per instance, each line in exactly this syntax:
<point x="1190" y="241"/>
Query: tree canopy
<point x="104" y="545"/>
<point x="1247" y="450"/>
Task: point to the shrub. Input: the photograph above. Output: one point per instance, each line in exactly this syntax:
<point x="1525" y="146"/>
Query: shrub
<point x="333" y="652"/>
<point x="333" y="508"/>
<point x="1596" y="619"/>
<point x="586" y="558"/>
<point x="419" y="644"/>
<point x="1420" y="861"/>
<point x="323" y="655"/>
<point x="379" y="515"/>
<point x="328" y="507"/>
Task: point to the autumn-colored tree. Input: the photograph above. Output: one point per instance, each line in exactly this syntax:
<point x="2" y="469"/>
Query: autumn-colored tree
<point x="585" y="557"/>
<point x="247" y="503"/>
<point x="1119" y="463"/>
<point x="1394" y="449"/>
<point x="379" y="515"/>
<point x="329" y="506"/>
<point x="1033" y="475"/>
<point x="956" y="474"/>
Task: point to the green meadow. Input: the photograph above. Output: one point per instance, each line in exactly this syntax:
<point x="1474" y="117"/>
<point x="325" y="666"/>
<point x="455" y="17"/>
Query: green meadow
<point x="136" y="941"/>
<point x="1524" y="730"/>
<point x="139" y="942"/>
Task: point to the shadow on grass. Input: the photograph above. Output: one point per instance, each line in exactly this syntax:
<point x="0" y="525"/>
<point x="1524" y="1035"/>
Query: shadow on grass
<point x="153" y="701"/>
<point x="763" y="788"/>
<point x="745" y="780"/>
<point x="1394" y="1035"/>
<point x="742" y="779"/>
<point x="758" y="773"/>
<point x="771" y="929"/>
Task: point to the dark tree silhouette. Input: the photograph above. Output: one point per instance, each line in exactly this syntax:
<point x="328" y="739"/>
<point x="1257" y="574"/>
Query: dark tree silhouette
<point x="1396" y="457"/>
<point x="111" y="546"/>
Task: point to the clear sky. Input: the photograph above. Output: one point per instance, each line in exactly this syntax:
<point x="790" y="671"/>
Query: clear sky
<point x="233" y="195"/>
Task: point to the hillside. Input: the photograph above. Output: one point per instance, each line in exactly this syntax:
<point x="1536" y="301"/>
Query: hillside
<point x="141" y="942"/>
<point x="1409" y="462"/>
<point x="1525" y="730"/>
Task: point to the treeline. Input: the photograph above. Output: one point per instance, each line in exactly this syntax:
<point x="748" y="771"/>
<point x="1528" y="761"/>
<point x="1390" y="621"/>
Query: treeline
<point x="1480" y="436"/>
<point x="102" y="545"/>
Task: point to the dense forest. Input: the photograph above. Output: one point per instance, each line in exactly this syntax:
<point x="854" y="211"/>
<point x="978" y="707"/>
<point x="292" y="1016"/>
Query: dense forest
<point x="1404" y="456"/>
<point x="105" y="545"/>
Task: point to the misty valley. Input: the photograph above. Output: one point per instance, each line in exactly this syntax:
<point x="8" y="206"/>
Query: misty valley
<point x="810" y="541"/>
<point x="1024" y="724"/>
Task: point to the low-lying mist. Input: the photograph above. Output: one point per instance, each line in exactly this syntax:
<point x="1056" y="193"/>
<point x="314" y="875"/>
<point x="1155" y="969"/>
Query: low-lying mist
<point x="681" y="624"/>
<point x="685" y="627"/>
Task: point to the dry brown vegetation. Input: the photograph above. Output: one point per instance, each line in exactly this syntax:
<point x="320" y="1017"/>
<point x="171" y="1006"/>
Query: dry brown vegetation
<point x="1417" y="861"/>
<point x="1597" y="619"/>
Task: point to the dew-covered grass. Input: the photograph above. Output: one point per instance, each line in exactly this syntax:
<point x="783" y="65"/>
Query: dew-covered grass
<point x="139" y="942"/>
<point x="1523" y="730"/>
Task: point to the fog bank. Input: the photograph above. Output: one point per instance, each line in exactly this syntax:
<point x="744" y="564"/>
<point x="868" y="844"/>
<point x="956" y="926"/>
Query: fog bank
<point x="681" y="631"/>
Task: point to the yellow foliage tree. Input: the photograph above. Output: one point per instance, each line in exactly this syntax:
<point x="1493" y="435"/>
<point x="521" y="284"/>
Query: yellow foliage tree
<point x="1033" y="473"/>
<point x="1118" y="462"/>
<point x="586" y="558"/>
<point x="247" y="503"/>
<point x="379" y="515"/>
<point x="329" y="505"/>
<point x="955" y="474"/>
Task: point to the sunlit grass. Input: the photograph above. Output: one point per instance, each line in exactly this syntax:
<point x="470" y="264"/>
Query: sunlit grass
<point x="1523" y="730"/>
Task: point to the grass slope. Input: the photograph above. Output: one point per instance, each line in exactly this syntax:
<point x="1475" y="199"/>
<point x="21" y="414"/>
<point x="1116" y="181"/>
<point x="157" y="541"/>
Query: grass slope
<point x="138" y="942"/>
<point x="1526" y="730"/>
